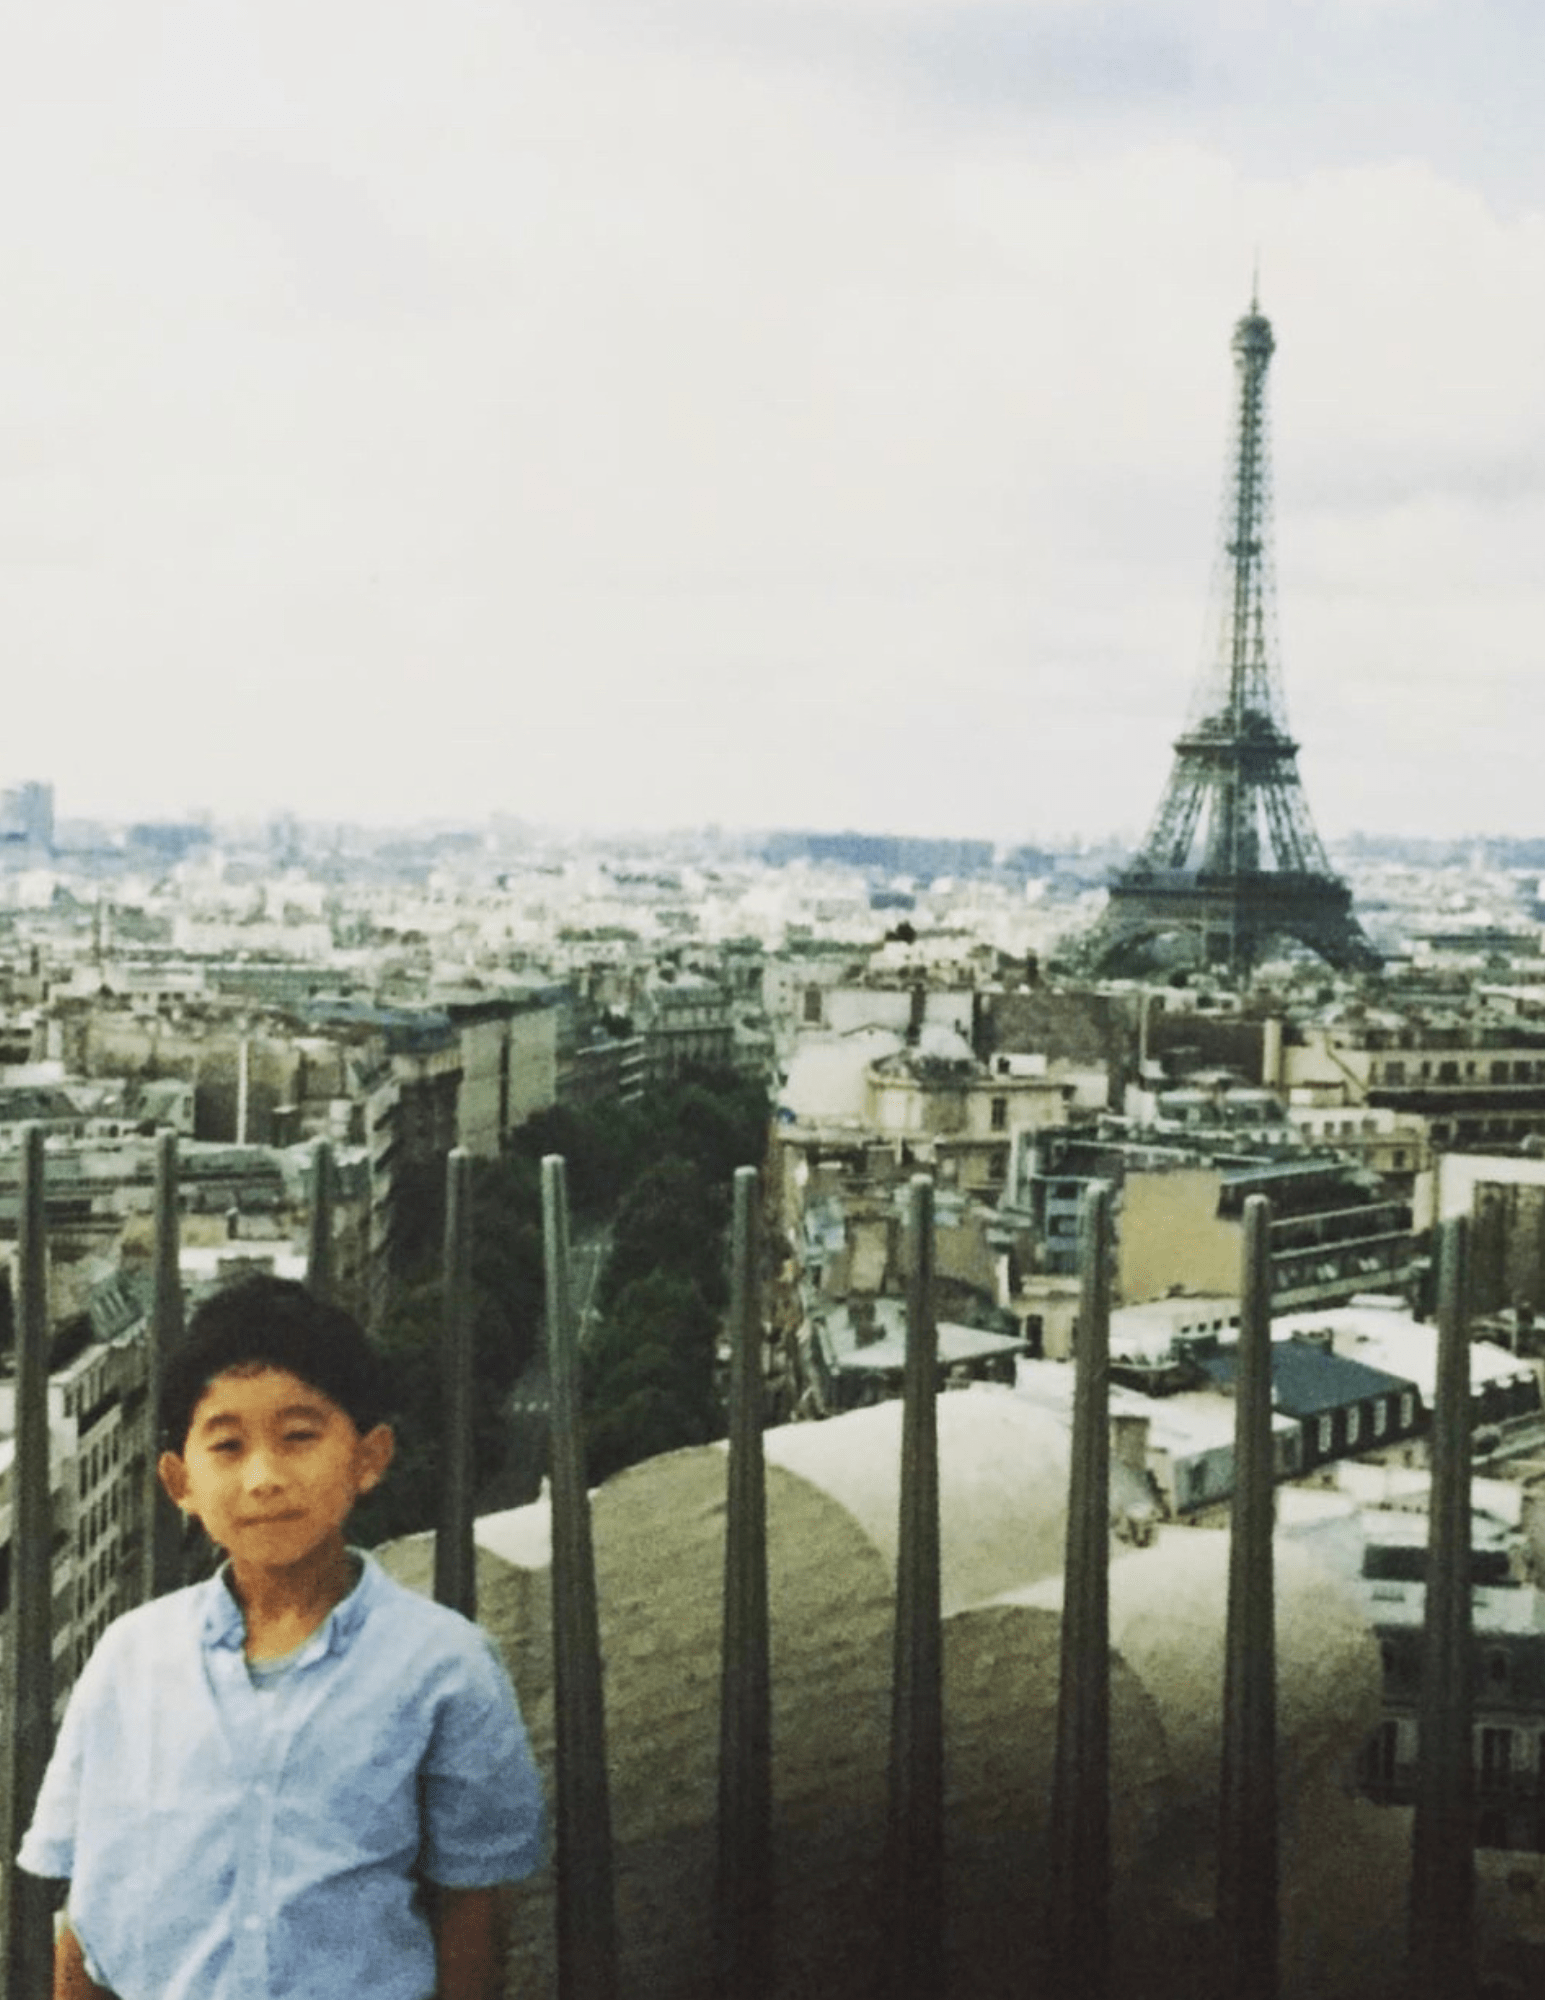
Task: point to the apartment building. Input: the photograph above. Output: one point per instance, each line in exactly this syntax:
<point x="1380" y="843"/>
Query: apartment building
<point x="1470" y="1079"/>
<point x="1179" y="1216"/>
<point x="101" y="1442"/>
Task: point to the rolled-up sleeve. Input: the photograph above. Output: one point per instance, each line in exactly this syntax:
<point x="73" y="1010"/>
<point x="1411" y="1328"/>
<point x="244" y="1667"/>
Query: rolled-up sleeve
<point x="48" y="1848"/>
<point x="484" y="1819"/>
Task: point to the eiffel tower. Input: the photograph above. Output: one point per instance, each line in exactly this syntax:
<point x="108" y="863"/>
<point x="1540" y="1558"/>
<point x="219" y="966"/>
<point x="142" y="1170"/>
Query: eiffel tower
<point x="1232" y="860"/>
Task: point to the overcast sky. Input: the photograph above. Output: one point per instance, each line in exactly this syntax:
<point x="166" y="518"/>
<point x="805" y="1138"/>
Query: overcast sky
<point x="765" y="411"/>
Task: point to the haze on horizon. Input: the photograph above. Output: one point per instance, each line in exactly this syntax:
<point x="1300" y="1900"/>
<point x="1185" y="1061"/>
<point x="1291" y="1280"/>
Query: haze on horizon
<point x="764" y="412"/>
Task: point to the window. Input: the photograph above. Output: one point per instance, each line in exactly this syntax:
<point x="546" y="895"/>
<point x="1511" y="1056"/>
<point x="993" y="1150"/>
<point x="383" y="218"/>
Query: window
<point x="1400" y="1158"/>
<point x="812" y="1006"/>
<point x="1000" y="1114"/>
<point x="1379" y="1756"/>
<point x="1407" y="1410"/>
<point x="1354" y="1423"/>
<point x="1380" y="1416"/>
<point x="1395" y="1072"/>
<point x="1324" y="1434"/>
<point x="1448" y="1072"/>
<point x="1496" y="1755"/>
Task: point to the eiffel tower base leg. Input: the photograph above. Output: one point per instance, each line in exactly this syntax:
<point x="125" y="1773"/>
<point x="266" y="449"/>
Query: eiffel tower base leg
<point x="1185" y="920"/>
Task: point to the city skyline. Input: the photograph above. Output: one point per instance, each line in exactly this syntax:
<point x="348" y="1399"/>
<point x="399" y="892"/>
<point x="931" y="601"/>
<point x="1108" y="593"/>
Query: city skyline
<point x="762" y="414"/>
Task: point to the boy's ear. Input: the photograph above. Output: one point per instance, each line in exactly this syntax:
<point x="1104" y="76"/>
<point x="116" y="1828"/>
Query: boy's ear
<point x="173" y="1475"/>
<point x="376" y="1449"/>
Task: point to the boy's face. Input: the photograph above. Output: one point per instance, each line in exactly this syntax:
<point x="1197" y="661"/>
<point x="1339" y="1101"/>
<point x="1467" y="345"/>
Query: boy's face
<point x="272" y="1466"/>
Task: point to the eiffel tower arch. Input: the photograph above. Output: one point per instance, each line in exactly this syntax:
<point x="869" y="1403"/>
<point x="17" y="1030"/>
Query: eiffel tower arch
<point x="1231" y="862"/>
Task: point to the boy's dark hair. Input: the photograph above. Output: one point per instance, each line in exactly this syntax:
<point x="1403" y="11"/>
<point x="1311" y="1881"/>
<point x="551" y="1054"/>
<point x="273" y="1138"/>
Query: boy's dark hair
<point x="271" y="1323"/>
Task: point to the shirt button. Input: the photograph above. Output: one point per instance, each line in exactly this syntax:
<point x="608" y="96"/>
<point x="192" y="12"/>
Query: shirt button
<point x="252" y="1923"/>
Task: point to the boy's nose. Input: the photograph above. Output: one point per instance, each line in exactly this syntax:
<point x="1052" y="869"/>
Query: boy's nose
<point x="262" y="1472"/>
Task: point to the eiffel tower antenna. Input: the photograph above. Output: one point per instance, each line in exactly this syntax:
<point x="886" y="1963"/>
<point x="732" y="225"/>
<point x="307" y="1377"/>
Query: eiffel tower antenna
<point x="1232" y="859"/>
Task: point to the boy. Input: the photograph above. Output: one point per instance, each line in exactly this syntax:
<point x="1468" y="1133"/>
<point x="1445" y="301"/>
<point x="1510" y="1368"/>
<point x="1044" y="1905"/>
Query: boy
<point x="297" y="1778"/>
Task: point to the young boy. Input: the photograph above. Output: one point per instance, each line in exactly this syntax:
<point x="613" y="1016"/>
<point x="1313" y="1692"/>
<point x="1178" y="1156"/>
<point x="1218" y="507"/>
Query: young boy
<point x="297" y="1778"/>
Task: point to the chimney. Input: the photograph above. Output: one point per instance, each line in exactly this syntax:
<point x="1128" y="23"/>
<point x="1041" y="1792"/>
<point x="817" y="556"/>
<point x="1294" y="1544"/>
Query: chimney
<point x="1129" y="1441"/>
<point x="1532" y="1521"/>
<point x="866" y="1329"/>
<point x="243" y="1087"/>
<point x="1271" y="1054"/>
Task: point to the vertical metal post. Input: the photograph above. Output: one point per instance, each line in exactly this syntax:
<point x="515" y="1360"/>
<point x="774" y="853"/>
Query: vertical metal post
<point x="912" y="1940"/>
<point x="29" y="1666"/>
<point x="455" y="1557"/>
<point x="1442" y="1942"/>
<point x="1247" y="1814"/>
<point x="1078" y="1925"/>
<point x="319" y="1236"/>
<point x="161" y="1524"/>
<point x="745" y="1710"/>
<point x="587" y="1919"/>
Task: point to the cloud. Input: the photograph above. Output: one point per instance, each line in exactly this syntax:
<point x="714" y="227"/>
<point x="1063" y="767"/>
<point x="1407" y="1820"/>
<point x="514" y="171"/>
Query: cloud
<point x="739" y="412"/>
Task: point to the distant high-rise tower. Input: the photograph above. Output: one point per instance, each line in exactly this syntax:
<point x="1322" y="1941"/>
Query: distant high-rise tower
<point x="27" y="815"/>
<point x="1232" y="859"/>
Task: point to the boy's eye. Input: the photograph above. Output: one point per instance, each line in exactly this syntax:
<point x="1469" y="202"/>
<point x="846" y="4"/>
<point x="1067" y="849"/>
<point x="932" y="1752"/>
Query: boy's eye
<point x="300" y="1437"/>
<point x="225" y="1445"/>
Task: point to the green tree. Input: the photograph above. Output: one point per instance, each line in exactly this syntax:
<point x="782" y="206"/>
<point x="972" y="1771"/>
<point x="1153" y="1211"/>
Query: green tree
<point x="670" y="1219"/>
<point x="507" y="1282"/>
<point x="659" y="1329"/>
<point x="648" y="1423"/>
<point x="662" y="1168"/>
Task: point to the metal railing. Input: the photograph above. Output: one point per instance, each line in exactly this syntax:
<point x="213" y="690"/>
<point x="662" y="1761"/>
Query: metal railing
<point x="1074" y="1907"/>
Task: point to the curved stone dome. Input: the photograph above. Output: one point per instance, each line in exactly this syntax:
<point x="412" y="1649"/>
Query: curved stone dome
<point x="832" y="1494"/>
<point x="1003" y="1483"/>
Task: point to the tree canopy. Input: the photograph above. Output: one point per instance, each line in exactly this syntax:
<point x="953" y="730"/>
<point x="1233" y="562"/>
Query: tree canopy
<point x="656" y="1175"/>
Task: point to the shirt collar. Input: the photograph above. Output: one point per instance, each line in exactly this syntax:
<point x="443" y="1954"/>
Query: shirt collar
<point x="223" y="1625"/>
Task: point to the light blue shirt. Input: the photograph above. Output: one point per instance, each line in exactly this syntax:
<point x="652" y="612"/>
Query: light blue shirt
<point x="232" y="1841"/>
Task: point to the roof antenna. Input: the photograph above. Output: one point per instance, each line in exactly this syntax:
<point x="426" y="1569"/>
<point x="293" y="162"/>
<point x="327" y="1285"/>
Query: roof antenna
<point x="1255" y="281"/>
